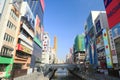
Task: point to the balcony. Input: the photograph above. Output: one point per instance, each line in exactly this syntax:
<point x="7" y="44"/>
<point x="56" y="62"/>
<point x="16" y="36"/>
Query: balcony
<point x="25" y="20"/>
<point x="21" y="36"/>
<point x="28" y="30"/>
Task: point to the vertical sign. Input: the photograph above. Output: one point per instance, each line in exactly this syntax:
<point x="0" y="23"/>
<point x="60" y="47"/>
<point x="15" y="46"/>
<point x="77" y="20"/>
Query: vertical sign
<point x="107" y="49"/>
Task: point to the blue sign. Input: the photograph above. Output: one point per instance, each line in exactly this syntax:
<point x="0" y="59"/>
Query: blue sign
<point x="116" y="31"/>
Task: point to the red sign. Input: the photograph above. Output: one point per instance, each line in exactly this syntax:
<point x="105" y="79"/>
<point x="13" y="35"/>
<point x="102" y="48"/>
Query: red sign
<point x="42" y="4"/>
<point x="113" y="13"/>
<point x="23" y="48"/>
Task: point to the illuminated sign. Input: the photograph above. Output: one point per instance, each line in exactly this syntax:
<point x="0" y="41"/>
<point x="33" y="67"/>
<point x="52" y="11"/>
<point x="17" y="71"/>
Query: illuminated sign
<point x="23" y="48"/>
<point x="27" y="13"/>
<point x="113" y="12"/>
<point x="116" y="31"/>
<point x="107" y="49"/>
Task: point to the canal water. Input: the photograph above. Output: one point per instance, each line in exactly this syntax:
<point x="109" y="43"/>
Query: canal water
<point x="63" y="74"/>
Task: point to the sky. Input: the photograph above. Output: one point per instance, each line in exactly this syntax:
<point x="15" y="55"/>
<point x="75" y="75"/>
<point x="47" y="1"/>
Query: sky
<point x="65" y="19"/>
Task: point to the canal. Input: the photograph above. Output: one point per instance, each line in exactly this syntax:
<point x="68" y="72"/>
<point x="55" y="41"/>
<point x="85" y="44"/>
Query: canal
<point x="64" y="74"/>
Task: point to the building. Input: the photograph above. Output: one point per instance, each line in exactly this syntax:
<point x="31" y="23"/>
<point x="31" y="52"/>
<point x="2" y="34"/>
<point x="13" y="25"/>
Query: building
<point x="37" y="9"/>
<point x="79" y="49"/>
<point x="9" y="23"/>
<point x="102" y="42"/>
<point x="45" y="48"/>
<point x="112" y="10"/>
<point x="22" y="57"/>
<point x="90" y="38"/>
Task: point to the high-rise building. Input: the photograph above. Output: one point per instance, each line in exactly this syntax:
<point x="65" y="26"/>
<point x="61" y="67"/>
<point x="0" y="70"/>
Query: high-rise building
<point x="90" y="37"/>
<point x="45" y="48"/>
<point x="79" y="49"/>
<point x="102" y="42"/>
<point x="9" y="27"/>
<point x="37" y="7"/>
<point x="55" y="44"/>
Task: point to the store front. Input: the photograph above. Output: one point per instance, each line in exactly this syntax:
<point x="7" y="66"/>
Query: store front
<point x="5" y="67"/>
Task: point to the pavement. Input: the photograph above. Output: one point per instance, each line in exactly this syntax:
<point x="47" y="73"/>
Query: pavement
<point x="32" y="76"/>
<point x="94" y="76"/>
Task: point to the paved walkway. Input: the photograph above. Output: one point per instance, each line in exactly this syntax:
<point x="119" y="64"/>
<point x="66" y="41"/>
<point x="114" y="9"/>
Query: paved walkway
<point x="95" y="76"/>
<point x="32" y="76"/>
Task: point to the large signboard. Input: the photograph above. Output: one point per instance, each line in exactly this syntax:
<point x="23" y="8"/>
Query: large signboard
<point x="116" y="31"/>
<point x="107" y="49"/>
<point x="113" y="12"/>
<point x="23" y="48"/>
<point x="2" y="2"/>
<point x="26" y="12"/>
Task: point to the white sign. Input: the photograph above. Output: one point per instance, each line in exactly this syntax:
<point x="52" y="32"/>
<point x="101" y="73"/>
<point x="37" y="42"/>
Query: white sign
<point x="2" y="2"/>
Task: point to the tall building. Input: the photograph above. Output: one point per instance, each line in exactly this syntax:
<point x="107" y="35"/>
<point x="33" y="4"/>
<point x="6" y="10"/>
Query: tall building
<point x="37" y="8"/>
<point x="9" y="27"/>
<point x="79" y="49"/>
<point x="102" y="42"/>
<point x="90" y="37"/>
<point x="45" y="48"/>
<point x="22" y="57"/>
<point x="55" y="44"/>
<point x="113" y="10"/>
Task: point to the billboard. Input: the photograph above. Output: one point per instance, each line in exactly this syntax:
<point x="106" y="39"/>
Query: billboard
<point x="2" y="2"/>
<point x="116" y="31"/>
<point x="113" y="11"/>
<point x="98" y="26"/>
<point x="107" y="49"/>
<point x="27" y="13"/>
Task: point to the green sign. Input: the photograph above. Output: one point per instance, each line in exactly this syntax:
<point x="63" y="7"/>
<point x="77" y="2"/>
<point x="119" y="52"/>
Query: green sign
<point x="37" y="41"/>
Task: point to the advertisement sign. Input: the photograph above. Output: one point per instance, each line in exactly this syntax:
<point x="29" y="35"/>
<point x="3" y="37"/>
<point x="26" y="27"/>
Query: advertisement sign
<point x="37" y="27"/>
<point x="2" y="2"/>
<point x="116" y="31"/>
<point x="98" y="26"/>
<point x="107" y="49"/>
<point x="113" y="12"/>
<point x="26" y="12"/>
<point x="24" y="49"/>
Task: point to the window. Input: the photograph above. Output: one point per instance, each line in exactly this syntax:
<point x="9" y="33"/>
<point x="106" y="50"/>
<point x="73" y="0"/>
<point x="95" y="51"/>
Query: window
<point x="13" y="15"/>
<point x="8" y="38"/>
<point x="6" y="51"/>
<point x="11" y="25"/>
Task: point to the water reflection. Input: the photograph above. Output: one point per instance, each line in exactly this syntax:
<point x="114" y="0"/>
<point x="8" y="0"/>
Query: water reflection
<point x="63" y="74"/>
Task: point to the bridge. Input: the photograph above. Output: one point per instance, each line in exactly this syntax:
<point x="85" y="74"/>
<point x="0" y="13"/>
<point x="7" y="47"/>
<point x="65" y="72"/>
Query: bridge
<point x="67" y="66"/>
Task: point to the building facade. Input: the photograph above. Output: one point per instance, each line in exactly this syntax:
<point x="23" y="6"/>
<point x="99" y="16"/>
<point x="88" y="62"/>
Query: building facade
<point x="46" y="47"/>
<point x="90" y="38"/>
<point x="9" y="24"/>
<point x="79" y="49"/>
<point x="112" y="8"/>
<point x="102" y="42"/>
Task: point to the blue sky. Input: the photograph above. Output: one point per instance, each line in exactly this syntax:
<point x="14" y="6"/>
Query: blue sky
<point x="65" y="19"/>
